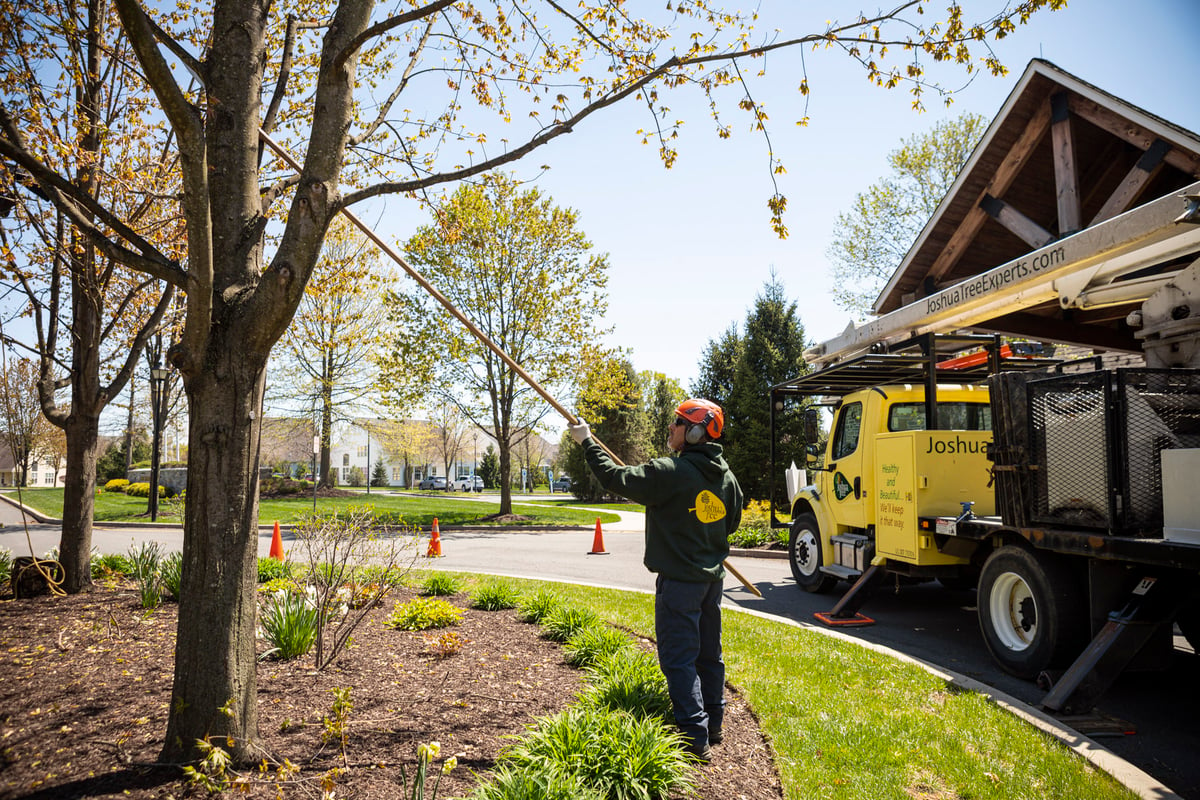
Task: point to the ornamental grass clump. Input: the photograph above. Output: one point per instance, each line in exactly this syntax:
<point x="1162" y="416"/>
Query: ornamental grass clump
<point x="591" y="644"/>
<point x="495" y="596"/>
<point x="270" y="569"/>
<point x="628" y="680"/>
<point x="622" y="756"/>
<point x="289" y="623"/>
<point x="110" y="565"/>
<point x="538" y="605"/>
<point x="144" y="562"/>
<point x="439" y="584"/>
<point x="170" y="573"/>
<point x="566" y="621"/>
<point x="423" y="613"/>
<point x="510" y="783"/>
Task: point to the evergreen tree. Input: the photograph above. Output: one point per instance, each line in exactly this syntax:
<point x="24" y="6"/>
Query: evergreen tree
<point x="772" y="352"/>
<point x="717" y="367"/>
<point x="662" y="396"/>
<point x="379" y="475"/>
<point x="489" y="468"/>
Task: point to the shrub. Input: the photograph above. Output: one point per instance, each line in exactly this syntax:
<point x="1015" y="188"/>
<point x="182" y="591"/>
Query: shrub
<point x="5" y="566"/>
<point x="143" y="490"/>
<point x="289" y="623"/>
<point x="594" y="643"/>
<point x="496" y="595"/>
<point x="269" y="569"/>
<point x="622" y="756"/>
<point x="756" y="530"/>
<point x="439" y="584"/>
<point x="537" y="606"/>
<point x="116" y="485"/>
<point x="628" y="680"/>
<point x="566" y="621"/>
<point x="423" y="613"/>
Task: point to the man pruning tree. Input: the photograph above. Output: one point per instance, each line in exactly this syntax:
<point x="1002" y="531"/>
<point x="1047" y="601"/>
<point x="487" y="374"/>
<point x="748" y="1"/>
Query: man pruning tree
<point x="693" y="502"/>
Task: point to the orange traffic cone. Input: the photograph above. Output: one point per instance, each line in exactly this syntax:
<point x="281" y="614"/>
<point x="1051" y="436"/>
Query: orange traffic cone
<point x="276" y="544"/>
<point x="598" y="542"/>
<point x="435" y="542"/>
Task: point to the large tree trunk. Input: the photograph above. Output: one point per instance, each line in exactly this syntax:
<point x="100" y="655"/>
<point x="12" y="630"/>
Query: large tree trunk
<point x="79" y="501"/>
<point x="215" y="687"/>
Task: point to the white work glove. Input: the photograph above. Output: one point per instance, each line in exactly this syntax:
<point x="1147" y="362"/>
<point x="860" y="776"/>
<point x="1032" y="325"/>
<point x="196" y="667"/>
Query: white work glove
<point x="580" y="432"/>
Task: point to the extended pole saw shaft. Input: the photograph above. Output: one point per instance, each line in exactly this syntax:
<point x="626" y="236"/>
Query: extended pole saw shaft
<point x="461" y="317"/>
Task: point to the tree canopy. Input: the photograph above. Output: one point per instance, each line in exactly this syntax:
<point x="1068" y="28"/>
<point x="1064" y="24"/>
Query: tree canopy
<point x="872" y="238"/>
<point x="523" y="272"/>
<point x="393" y="100"/>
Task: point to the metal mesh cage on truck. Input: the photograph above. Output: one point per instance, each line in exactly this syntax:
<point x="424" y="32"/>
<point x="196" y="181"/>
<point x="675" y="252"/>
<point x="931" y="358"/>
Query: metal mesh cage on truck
<point x="1095" y="440"/>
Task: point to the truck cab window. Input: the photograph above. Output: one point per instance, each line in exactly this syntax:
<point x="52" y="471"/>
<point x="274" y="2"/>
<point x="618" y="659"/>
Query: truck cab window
<point x="951" y="417"/>
<point x="849" y="424"/>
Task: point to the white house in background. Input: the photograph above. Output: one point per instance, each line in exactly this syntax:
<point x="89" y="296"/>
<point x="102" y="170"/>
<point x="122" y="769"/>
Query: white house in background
<point x="410" y="451"/>
<point x="43" y="472"/>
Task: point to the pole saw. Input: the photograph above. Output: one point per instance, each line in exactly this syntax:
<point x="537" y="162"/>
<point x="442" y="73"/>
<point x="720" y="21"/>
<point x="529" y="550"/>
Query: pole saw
<point x="470" y="326"/>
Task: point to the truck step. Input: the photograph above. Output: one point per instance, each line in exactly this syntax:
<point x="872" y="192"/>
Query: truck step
<point x="838" y="571"/>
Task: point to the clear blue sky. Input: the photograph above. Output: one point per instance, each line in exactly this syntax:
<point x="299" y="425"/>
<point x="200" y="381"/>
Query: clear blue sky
<point x="690" y="247"/>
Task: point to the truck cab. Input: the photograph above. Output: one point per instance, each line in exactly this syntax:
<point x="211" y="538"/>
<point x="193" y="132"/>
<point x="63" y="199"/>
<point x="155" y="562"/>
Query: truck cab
<point x="882" y="469"/>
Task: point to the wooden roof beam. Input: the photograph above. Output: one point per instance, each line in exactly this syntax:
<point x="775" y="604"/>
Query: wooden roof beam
<point x="1018" y="156"/>
<point x="1124" y="196"/>
<point x="1016" y="223"/>
<point x="1133" y="133"/>
<point x="1066" y="176"/>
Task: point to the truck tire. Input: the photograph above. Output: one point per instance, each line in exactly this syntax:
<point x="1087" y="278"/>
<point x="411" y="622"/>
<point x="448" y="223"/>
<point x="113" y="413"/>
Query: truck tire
<point x="1031" y="611"/>
<point x="806" y="556"/>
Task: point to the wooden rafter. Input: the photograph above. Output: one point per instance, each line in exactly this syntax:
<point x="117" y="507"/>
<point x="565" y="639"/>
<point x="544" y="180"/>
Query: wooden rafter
<point x="1034" y="326"/>
<point x="1066" y="176"/>
<point x="1133" y="133"/>
<point x="1016" y="223"/>
<point x="1127" y="192"/>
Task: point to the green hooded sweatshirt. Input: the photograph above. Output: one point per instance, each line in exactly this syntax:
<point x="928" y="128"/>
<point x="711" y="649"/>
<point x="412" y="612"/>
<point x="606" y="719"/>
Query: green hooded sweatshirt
<point x="693" y="502"/>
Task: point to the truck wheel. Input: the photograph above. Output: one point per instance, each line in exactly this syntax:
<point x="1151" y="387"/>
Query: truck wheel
<point x="1030" y="610"/>
<point x="804" y="553"/>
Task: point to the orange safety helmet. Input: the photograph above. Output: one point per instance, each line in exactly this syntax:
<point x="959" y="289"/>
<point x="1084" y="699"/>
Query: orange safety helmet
<point x="705" y="416"/>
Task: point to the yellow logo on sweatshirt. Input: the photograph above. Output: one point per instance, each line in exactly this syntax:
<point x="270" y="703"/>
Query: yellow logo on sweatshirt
<point x="709" y="507"/>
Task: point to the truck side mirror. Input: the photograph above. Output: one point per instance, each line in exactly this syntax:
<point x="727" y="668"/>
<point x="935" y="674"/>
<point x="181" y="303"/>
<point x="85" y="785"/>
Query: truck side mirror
<point x="812" y="451"/>
<point x="812" y="429"/>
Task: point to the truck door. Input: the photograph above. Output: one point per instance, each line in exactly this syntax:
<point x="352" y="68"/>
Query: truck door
<point x="846" y="468"/>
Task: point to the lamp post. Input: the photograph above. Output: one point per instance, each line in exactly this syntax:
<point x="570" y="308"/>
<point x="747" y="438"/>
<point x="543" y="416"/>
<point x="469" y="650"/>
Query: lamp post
<point x="158" y="411"/>
<point x="316" y="452"/>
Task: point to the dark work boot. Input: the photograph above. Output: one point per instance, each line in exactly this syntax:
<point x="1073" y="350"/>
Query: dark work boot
<point x="715" y="736"/>
<point x="698" y="749"/>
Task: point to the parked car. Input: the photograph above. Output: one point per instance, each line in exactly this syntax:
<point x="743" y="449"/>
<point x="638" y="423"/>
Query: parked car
<point x="469" y="483"/>
<point x="563" y="484"/>
<point x="434" y="482"/>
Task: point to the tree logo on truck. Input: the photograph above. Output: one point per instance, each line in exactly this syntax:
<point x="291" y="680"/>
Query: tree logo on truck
<point x="841" y="486"/>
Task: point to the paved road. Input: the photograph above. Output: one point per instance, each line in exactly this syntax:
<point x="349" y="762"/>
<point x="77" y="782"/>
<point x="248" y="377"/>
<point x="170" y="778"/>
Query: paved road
<point x="925" y="622"/>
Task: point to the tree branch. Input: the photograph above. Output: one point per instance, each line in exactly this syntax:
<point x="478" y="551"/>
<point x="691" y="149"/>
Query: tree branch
<point x="386" y="25"/>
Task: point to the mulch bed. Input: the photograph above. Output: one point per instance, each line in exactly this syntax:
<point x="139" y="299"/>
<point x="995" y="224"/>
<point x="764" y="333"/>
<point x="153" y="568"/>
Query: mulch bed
<point x="85" y="682"/>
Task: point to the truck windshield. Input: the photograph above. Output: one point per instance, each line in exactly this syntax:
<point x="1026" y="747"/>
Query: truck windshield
<point x="951" y="417"/>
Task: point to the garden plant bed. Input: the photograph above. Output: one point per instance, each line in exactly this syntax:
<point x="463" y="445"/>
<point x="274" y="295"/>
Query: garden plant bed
<point x="85" y="685"/>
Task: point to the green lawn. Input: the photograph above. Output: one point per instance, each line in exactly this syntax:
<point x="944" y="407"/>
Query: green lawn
<point x="416" y="511"/>
<point x="850" y="723"/>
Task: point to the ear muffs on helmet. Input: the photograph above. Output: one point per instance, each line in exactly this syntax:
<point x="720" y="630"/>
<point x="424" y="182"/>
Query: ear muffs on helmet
<point x="695" y="432"/>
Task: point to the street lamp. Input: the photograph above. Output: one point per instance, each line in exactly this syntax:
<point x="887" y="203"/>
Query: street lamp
<point x="158" y="412"/>
<point x="316" y="452"/>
